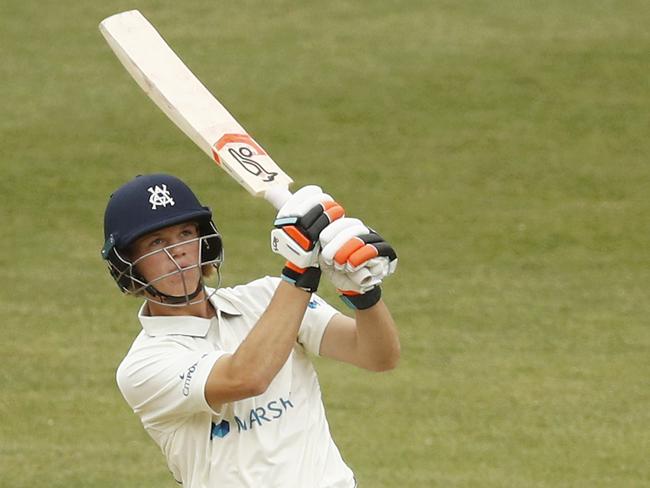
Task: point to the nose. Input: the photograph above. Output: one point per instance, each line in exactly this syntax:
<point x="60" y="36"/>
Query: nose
<point x="178" y="251"/>
<point x="179" y="248"/>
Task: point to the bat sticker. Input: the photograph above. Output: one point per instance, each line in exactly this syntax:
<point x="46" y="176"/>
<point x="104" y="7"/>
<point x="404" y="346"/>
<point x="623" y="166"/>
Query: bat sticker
<point x="243" y="157"/>
<point x="245" y="152"/>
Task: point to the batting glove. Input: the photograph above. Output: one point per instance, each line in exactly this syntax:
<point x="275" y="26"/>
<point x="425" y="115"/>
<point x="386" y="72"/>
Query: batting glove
<point x="356" y="259"/>
<point x="298" y="225"/>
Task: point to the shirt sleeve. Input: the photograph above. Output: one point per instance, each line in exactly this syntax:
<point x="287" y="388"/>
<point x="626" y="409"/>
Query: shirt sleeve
<point x="164" y="383"/>
<point x="313" y="326"/>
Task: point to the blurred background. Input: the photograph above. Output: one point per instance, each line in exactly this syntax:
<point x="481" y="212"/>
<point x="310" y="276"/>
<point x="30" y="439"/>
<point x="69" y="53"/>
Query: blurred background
<point x="502" y="147"/>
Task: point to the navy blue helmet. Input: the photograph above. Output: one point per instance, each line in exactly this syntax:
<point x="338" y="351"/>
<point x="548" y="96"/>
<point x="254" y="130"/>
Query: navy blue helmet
<point x="145" y="204"/>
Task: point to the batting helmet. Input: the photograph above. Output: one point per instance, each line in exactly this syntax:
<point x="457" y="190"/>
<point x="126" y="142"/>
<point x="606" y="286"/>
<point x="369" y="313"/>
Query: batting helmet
<point x="146" y="204"/>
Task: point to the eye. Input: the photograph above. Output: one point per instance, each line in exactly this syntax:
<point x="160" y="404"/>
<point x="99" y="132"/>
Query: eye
<point x="189" y="232"/>
<point x="156" y="242"/>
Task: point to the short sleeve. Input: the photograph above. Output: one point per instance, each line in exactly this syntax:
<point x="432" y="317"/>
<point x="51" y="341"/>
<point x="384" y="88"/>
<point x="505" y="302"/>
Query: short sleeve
<point x="313" y="326"/>
<point x="164" y="383"/>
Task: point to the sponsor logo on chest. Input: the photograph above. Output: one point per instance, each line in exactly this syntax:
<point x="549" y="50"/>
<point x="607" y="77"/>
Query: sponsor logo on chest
<point x="254" y="419"/>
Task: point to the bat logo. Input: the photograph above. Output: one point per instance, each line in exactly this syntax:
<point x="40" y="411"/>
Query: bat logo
<point x="244" y="154"/>
<point x="243" y="157"/>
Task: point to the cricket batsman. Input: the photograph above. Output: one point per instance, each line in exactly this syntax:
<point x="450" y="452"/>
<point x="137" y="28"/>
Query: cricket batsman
<point x="221" y="378"/>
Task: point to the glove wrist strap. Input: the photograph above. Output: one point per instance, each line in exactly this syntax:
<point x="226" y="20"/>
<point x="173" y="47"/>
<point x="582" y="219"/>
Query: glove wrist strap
<point x="362" y="301"/>
<point x="305" y="278"/>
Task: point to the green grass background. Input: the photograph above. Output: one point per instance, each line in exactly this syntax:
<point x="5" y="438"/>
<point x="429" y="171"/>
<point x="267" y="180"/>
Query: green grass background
<point x="502" y="147"/>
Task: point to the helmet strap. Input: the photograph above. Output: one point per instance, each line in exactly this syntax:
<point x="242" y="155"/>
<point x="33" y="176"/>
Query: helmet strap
<point x="172" y="299"/>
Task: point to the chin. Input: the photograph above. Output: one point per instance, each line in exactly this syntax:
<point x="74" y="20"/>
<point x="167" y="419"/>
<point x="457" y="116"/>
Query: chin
<point x="174" y="285"/>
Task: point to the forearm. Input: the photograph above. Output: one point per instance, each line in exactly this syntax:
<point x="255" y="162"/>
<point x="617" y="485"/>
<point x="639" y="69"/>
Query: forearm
<point x="369" y="341"/>
<point x="268" y="345"/>
<point x="251" y="368"/>
<point x="377" y="339"/>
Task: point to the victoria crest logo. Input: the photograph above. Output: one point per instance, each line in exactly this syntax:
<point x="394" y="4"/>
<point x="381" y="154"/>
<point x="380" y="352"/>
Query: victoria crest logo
<point x="160" y="197"/>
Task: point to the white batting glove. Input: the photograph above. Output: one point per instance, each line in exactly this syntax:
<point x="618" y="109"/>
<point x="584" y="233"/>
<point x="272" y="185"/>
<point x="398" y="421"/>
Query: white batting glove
<point x="299" y="223"/>
<point x="348" y="245"/>
<point x="359" y="282"/>
<point x="356" y="259"/>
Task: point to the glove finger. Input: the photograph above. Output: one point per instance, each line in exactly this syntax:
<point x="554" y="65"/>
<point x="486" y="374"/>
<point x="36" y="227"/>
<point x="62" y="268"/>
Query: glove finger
<point x="364" y="279"/>
<point x="385" y="249"/>
<point x="303" y="200"/>
<point x="349" y="247"/>
<point x="320" y="217"/>
<point x="359" y="281"/>
<point x="313" y="206"/>
<point x="372" y="237"/>
<point x="335" y="227"/>
<point x="303" y="207"/>
<point x="355" y="244"/>
<point x="361" y="255"/>
<point x="340" y="239"/>
<point x="344" y="284"/>
<point x="378" y="266"/>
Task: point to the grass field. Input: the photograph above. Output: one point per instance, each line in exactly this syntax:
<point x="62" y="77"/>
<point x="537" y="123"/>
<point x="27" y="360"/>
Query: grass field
<point x="502" y="147"/>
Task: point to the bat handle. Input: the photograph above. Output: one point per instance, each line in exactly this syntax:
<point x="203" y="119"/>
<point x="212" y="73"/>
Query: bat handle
<point x="277" y="196"/>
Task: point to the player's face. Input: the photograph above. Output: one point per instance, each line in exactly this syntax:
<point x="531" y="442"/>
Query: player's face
<point x="173" y="254"/>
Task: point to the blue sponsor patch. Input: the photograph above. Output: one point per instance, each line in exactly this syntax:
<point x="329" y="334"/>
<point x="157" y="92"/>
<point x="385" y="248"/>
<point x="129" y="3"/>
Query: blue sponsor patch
<point x="220" y="430"/>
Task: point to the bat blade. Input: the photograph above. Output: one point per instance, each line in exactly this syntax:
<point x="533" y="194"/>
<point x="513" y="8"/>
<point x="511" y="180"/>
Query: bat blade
<point x="189" y="104"/>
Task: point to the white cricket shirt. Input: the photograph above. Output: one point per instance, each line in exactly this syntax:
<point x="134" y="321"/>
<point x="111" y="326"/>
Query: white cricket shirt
<point x="280" y="439"/>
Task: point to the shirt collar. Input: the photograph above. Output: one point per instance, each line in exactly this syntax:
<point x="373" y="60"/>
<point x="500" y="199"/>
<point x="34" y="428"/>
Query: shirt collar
<point x="187" y="325"/>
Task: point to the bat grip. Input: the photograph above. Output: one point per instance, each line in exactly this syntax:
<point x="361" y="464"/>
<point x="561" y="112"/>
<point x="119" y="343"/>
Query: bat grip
<point x="277" y="196"/>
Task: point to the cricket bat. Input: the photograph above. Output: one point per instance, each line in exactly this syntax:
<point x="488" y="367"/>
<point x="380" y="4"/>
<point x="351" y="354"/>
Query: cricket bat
<point x="189" y="104"/>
